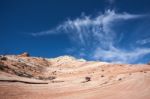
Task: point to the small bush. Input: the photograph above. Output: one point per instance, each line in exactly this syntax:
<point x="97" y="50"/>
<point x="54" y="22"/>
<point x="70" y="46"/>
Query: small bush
<point x="22" y="74"/>
<point x="102" y="75"/>
<point x="51" y="78"/>
<point x="120" y="79"/>
<point x="47" y="78"/>
<point x="102" y="70"/>
<point x="141" y="71"/>
<point x="87" y="79"/>
<point x="105" y="82"/>
<point x="1" y="66"/>
<point x="145" y="72"/>
<point x="3" y="58"/>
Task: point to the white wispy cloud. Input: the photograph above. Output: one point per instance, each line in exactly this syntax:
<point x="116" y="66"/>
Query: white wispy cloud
<point x="143" y="41"/>
<point x="43" y="33"/>
<point x="97" y="33"/>
<point x="56" y="30"/>
<point x="119" y="55"/>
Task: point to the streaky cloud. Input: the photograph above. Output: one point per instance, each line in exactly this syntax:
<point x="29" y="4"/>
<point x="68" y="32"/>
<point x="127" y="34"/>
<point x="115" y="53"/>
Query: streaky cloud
<point x="119" y="55"/>
<point x="98" y="37"/>
<point x="143" y="41"/>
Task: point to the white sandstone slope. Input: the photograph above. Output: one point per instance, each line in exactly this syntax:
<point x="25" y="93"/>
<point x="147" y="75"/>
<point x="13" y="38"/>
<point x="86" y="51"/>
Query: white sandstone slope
<point x="65" y="77"/>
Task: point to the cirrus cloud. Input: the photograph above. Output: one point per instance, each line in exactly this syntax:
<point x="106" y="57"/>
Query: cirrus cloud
<point x="143" y="41"/>
<point x="97" y="36"/>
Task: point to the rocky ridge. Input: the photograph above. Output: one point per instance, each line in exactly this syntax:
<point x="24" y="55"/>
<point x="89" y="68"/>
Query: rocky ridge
<point x="72" y="77"/>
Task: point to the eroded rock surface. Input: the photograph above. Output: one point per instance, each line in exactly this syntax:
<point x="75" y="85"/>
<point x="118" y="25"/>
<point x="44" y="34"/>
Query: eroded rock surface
<point x="66" y="77"/>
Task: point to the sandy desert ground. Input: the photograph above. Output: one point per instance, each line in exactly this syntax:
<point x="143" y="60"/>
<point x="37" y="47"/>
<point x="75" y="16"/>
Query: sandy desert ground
<point x="25" y="77"/>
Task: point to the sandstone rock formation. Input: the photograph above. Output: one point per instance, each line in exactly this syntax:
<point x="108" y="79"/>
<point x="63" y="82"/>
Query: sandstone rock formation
<point x="25" y="54"/>
<point x="65" y="77"/>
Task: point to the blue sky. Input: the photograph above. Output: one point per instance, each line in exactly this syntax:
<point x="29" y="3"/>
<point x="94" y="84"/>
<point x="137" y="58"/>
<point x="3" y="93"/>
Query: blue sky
<point x="106" y="30"/>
